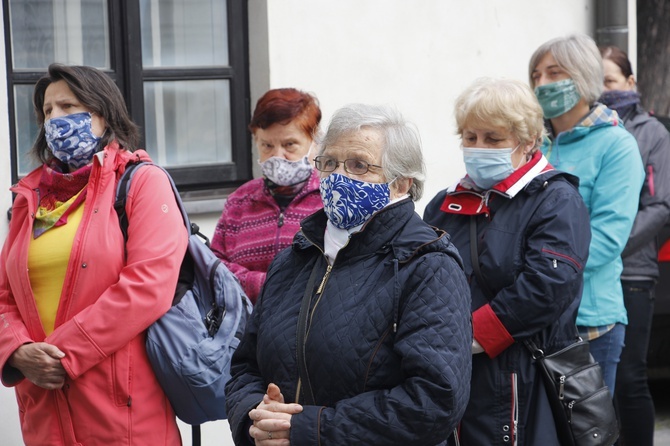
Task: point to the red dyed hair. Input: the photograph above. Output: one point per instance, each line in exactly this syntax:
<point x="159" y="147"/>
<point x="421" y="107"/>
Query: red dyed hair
<point x="284" y="105"/>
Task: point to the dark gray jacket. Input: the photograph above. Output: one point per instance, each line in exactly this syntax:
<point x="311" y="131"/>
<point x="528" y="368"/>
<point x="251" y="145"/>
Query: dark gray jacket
<point x="640" y="254"/>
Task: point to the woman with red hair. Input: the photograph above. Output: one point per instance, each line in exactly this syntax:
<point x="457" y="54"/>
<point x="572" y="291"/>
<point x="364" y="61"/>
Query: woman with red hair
<point x="261" y="217"/>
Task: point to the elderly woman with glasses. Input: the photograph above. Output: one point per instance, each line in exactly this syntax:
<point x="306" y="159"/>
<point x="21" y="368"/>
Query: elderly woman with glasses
<point x="361" y="334"/>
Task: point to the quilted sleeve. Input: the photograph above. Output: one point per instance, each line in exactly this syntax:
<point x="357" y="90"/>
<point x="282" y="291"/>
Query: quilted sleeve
<point x="433" y="339"/>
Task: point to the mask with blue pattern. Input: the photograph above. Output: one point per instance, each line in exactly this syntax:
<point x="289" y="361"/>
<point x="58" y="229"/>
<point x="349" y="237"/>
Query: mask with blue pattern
<point x="70" y="138"/>
<point x="348" y="202"/>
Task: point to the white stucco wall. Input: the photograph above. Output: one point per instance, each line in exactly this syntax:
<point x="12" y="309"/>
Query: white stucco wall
<point x="416" y="55"/>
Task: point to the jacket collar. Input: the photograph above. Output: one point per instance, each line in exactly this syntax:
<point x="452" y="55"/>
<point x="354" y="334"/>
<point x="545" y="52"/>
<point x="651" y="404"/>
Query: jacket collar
<point x="112" y="157"/>
<point x="262" y="193"/>
<point x="464" y="197"/>
<point x="395" y="228"/>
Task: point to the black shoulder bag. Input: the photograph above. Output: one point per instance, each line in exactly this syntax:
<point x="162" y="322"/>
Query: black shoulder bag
<point x="580" y="401"/>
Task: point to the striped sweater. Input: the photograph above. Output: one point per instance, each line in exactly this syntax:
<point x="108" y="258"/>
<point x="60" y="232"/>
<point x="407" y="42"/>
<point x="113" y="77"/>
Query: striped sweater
<point x="253" y="229"/>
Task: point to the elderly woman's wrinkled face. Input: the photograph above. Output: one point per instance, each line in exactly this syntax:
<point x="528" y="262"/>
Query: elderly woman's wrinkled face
<point x="283" y="141"/>
<point x="355" y="155"/>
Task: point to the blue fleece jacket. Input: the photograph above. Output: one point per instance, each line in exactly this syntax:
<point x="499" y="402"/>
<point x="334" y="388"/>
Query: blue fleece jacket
<point x="607" y="161"/>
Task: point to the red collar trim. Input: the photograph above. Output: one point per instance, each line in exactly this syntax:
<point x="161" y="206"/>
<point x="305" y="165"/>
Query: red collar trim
<point x="465" y="200"/>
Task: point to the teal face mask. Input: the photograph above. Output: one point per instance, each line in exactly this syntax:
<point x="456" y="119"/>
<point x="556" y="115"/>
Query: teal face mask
<point x="557" y="98"/>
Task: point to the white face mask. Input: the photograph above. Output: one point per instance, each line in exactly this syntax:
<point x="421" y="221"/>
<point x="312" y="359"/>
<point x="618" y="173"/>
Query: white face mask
<point x="283" y="172"/>
<point x="488" y="167"/>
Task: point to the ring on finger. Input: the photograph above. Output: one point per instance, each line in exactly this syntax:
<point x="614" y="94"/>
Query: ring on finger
<point x="269" y="435"/>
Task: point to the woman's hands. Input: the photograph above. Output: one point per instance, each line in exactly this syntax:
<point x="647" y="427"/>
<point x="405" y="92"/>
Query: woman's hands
<point x="272" y="419"/>
<point x="40" y="363"/>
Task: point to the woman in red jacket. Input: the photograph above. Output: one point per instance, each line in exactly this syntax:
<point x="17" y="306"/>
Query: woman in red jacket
<point x="75" y="299"/>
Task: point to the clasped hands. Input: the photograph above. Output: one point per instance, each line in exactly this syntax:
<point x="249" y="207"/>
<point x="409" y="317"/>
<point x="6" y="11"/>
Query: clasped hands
<point x="39" y="362"/>
<point x="272" y="419"/>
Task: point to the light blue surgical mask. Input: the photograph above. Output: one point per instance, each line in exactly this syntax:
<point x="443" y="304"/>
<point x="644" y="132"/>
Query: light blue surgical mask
<point x="70" y="138"/>
<point x="348" y="202"/>
<point x="557" y="98"/>
<point x="488" y="167"/>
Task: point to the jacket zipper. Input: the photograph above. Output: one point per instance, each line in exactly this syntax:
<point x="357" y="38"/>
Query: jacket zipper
<point x="319" y="292"/>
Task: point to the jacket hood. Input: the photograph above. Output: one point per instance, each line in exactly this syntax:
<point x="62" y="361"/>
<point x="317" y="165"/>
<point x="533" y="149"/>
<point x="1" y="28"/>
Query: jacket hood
<point x="396" y="228"/>
<point x="639" y="118"/>
<point x="599" y="116"/>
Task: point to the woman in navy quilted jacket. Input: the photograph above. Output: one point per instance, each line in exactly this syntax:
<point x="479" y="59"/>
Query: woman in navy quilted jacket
<point x="362" y="332"/>
<point x="532" y="239"/>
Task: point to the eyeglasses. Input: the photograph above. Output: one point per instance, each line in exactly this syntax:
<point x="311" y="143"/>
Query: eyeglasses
<point x="352" y="166"/>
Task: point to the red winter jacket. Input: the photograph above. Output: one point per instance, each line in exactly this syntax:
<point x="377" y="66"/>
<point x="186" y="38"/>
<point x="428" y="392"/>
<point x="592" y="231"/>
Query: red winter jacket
<point x="253" y="229"/>
<point x="111" y="396"/>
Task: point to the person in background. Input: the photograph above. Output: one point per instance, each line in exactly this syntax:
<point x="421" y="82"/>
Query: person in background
<point x="261" y="217"/>
<point x="532" y="236"/>
<point x="588" y="140"/>
<point x="75" y="299"/>
<point x="640" y="265"/>
<point x="362" y="333"/>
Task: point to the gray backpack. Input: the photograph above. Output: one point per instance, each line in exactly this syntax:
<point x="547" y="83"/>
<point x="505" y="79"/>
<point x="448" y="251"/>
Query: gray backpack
<point x="191" y="346"/>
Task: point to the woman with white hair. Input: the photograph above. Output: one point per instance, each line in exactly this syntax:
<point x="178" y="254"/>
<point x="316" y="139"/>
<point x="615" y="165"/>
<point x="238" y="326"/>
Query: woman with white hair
<point x="361" y="334"/>
<point x="524" y="225"/>
<point x="588" y="140"/>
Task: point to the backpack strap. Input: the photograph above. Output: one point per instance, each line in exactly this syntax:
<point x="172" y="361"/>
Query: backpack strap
<point x="122" y="188"/>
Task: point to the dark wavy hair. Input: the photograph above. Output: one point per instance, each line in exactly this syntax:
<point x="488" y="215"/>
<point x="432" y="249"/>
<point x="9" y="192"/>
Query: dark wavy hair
<point x="284" y="105"/>
<point x="99" y="94"/>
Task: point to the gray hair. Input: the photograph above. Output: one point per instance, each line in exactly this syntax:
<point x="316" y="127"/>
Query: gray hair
<point x="579" y="56"/>
<point x="401" y="151"/>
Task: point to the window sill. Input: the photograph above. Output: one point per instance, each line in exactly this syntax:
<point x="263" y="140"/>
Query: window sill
<point x="206" y="201"/>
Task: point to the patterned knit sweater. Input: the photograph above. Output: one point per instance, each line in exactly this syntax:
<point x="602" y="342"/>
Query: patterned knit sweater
<point x="253" y="229"/>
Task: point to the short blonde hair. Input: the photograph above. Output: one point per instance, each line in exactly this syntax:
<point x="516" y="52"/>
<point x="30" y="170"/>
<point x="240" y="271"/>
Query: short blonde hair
<point x="579" y="56"/>
<point x="505" y="103"/>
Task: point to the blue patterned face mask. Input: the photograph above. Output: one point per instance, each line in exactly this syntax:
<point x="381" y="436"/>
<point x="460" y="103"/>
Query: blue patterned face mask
<point x="349" y="202"/>
<point x="71" y="139"/>
<point x="557" y="98"/>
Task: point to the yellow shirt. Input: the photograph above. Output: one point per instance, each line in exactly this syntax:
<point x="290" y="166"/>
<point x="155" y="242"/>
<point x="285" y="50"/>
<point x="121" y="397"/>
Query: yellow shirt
<point x="48" y="257"/>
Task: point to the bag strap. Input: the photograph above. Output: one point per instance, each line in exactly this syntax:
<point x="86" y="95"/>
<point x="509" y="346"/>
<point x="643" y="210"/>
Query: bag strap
<point x="123" y="187"/>
<point x="302" y="333"/>
<point x="196" y="437"/>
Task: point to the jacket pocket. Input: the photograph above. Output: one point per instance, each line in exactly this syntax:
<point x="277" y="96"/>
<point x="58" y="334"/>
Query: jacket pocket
<point x="559" y="258"/>
<point x="121" y="365"/>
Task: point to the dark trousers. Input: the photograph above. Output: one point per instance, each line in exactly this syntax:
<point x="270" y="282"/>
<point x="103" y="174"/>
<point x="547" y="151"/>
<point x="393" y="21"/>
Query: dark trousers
<point x="633" y="399"/>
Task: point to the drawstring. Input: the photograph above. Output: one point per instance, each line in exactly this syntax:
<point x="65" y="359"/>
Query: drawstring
<point x="396" y="295"/>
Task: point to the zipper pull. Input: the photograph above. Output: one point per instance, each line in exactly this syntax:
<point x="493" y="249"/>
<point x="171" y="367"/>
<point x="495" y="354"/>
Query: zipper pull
<point x="323" y="281"/>
<point x="280" y="222"/>
<point x="555" y="263"/>
<point x="561" y="387"/>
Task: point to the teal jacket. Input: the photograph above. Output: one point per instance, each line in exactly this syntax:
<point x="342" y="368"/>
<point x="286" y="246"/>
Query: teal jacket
<point x="607" y="161"/>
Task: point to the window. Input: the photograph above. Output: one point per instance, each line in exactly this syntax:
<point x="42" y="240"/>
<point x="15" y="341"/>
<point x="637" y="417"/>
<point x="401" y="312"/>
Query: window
<point x="181" y="65"/>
